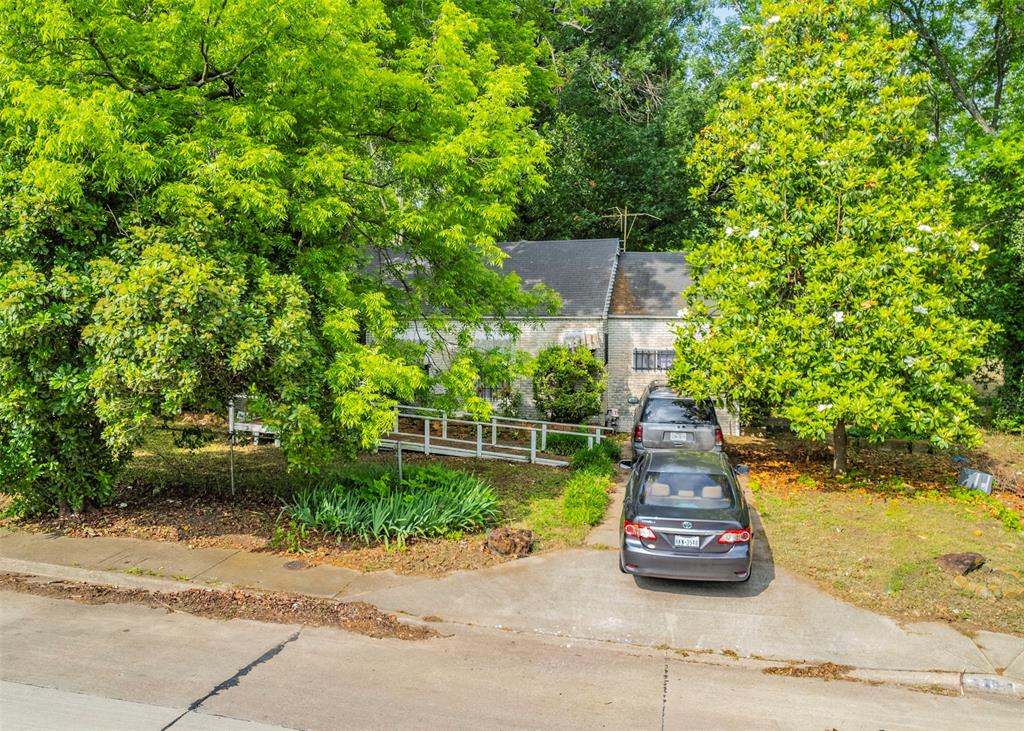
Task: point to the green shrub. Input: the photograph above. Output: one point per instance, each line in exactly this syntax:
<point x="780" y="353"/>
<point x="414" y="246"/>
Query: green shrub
<point x="585" y="498"/>
<point x="372" y="506"/>
<point x="595" y="459"/>
<point x="611" y="448"/>
<point x="566" y="443"/>
<point x="568" y="384"/>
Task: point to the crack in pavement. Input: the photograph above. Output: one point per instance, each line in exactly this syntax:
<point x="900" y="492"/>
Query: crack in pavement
<point x="234" y="679"/>
<point x="664" y="693"/>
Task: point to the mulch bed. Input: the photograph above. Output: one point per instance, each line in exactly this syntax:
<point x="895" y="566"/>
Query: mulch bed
<point x="281" y="608"/>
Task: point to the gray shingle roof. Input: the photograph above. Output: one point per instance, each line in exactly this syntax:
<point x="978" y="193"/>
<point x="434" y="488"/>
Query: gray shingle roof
<point x="580" y="270"/>
<point x="650" y="283"/>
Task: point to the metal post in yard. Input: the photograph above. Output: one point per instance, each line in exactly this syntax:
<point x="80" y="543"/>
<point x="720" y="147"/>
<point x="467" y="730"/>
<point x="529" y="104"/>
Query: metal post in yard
<point x="426" y="436"/>
<point x="231" y="459"/>
<point x="479" y="439"/>
<point x="544" y="437"/>
<point x="533" y="445"/>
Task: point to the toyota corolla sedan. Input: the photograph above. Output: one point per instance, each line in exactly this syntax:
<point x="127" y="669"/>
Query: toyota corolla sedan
<point x="684" y="517"/>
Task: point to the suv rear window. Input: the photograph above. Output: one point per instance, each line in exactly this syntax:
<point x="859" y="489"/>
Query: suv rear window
<point x="688" y="490"/>
<point x="678" y="411"/>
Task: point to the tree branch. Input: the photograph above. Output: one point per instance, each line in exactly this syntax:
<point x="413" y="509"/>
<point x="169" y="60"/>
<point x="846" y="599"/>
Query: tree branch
<point x="916" y="20"/>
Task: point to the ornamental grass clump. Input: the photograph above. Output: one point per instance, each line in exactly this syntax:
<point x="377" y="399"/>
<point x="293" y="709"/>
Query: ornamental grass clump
<point x="430" y="502"/>
<point x="585" y="498"/>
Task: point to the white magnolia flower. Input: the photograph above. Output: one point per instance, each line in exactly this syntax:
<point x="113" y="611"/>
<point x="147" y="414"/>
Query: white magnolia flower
<point x="838" y="316"/>
<point x="770" y="80"/>
<point x="754" y="233"/>
<point x="924" y="227"/>
<point x="824" y="407"/>
<point x="744" y="27"/>
<point x="932" y="137"/>
<point x="920" y="309"/>
<point x="910" y="250"/>
<point x="974" y="246"/>
<point x="753" y="147"/>
<point x="751" y="284"/>
<point x="772" y="20"/>
<point x="838" y="62"/>
<point x="908" y="361"/>
<point x="729" y="230"/>
<point x="756" y="83"/>
<point x="685" y="312"/>
<point x="823" y="163"/>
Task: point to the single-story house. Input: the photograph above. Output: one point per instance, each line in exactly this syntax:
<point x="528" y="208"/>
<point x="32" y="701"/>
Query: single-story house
<point x="622" y="305"/>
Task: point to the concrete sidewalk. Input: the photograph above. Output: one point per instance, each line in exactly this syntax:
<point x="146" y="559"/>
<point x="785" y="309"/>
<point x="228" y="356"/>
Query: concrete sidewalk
<point x="576" y="594"/>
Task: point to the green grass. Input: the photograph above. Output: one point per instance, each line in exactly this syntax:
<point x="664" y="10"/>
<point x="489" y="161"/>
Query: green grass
<point x="879" y="551"/>
<point x="566" y="520"/>
<point x="527" y="495"/>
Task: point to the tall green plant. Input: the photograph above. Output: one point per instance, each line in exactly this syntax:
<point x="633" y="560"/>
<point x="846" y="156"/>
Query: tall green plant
<point x="835" y="285"/>
<point x="568" y="385"/>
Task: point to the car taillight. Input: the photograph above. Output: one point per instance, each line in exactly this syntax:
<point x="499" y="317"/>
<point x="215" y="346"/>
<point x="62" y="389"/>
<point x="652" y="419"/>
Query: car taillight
<point x="638" y="434"/>
<point x="735" y="535"/>
<point x="636" y="530"/>
<point x="718" y="436"/>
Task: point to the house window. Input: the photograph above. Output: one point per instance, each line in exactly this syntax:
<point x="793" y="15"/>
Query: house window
<point x="492" y="393"/>
<point x="653" y="360"/>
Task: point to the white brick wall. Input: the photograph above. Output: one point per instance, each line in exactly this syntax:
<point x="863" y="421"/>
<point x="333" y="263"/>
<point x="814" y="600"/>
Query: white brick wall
<point x="624" y="334"/>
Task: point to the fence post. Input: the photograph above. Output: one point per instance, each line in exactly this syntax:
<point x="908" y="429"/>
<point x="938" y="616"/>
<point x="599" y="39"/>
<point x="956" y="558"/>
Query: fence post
<point x="479" y="439"/>
<point x="494" y="432"/>
<point x="426" y="435"/>
<point x="444" y="425"/>
<point x="590" y="441"/>
<point x="544" y="437"/>
<point x="533" y="445"/>
<point x="396" y="419"/>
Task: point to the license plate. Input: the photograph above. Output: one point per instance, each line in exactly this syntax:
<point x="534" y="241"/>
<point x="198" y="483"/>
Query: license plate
<point x="687" y="541"/>
<point x="679" y="436"/>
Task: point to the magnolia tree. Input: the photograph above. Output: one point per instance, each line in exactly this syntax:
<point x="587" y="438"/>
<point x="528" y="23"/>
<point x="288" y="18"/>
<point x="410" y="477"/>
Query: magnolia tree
<point x="832" y="289"/>
<point x="208" y="198"/>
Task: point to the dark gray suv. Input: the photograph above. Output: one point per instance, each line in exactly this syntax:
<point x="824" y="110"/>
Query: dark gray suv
<point x="666" y="420"/>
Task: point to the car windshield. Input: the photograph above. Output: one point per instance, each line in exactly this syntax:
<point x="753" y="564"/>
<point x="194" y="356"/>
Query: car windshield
<point x="677" y="411"/>
<point x="688" y="490"/>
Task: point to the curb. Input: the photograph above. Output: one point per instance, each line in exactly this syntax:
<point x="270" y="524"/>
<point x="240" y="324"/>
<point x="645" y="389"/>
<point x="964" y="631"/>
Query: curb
<point x="960" y="683"/>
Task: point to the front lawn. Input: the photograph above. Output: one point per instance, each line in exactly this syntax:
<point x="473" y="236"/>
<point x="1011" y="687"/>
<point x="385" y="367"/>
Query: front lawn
<point x="182" y="492"/>
<point x="872" y="537"/>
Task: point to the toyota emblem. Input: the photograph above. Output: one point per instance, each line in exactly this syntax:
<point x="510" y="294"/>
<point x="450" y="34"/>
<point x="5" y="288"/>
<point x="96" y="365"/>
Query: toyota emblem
<point x="687" y="524"/>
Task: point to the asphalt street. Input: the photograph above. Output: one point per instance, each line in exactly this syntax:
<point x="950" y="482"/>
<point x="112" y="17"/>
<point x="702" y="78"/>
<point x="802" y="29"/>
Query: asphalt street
<point x="68" y="665"/>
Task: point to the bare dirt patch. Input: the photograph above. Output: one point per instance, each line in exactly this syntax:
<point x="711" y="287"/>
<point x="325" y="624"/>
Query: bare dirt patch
<point x="281" y="608"/>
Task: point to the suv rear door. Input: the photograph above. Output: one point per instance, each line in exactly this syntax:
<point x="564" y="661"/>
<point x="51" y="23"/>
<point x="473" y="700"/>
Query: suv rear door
<point x="672" y="421"/>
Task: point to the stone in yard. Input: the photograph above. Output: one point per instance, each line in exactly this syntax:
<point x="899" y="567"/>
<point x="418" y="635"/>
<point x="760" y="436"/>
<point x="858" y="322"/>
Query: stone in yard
<point x="510" y="541"/>
<point x="961" y="563"/>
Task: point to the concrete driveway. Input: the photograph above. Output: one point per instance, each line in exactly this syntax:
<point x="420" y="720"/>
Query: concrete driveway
<point x="582" y="594"/>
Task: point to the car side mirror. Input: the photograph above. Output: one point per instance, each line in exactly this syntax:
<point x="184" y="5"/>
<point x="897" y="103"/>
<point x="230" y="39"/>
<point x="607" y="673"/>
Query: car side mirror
<point x="742" y="469"/>
<point x="632" y="400"/>
<point x="626" y="464"/>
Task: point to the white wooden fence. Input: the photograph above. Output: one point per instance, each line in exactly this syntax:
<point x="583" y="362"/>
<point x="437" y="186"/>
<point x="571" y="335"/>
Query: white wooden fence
<point x="431" y="431"/>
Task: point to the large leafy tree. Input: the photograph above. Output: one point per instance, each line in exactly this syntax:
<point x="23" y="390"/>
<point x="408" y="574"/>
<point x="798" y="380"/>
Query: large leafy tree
<point x="975" y="51"/>
<point x="834" y="287"/>
<point x="636" y="80"/>
<point x="204" y="198"/>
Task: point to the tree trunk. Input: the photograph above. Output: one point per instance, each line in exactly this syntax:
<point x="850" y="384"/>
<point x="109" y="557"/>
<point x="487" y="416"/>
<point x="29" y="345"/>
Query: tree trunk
<point x="840" y="442"/>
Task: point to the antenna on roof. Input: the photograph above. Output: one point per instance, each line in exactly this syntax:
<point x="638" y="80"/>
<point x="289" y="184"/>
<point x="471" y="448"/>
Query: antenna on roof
<point x="627" y="220"/>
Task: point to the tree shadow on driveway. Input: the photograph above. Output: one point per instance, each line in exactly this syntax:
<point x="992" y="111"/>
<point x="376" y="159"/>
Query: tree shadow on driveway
<point x="762" y="574"/>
